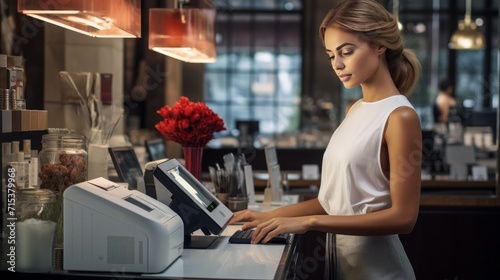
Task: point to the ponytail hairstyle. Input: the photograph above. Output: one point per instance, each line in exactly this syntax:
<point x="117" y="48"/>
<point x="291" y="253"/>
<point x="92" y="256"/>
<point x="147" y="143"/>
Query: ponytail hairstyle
<point x="372" y="22"/>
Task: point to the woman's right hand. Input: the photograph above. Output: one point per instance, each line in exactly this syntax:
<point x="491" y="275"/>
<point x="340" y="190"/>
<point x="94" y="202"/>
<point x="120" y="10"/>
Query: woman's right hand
<point x="250" y="217"/>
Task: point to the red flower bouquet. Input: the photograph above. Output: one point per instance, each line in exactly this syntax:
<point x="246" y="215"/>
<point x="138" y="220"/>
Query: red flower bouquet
<point x="191" y="124"/>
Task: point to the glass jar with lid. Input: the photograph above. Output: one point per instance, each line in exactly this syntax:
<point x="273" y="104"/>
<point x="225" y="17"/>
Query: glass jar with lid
<point x="37" y="213"/>
<point x="63" y="160"/>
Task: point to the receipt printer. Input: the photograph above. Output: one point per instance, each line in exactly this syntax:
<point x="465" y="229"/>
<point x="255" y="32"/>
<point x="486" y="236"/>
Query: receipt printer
<point x="112" y="229"/>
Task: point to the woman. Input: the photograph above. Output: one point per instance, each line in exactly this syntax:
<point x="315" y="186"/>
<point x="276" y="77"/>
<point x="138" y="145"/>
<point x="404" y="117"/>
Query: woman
<point x="370" y="184"/>
<point x="444" y="102"/>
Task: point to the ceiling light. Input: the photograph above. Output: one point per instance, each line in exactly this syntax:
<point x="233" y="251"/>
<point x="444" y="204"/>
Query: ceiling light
<point x="467" y="37"/>
<point x="96" y="18"/>
<point x="395" y="11"/>
<point x="186" y="32"/>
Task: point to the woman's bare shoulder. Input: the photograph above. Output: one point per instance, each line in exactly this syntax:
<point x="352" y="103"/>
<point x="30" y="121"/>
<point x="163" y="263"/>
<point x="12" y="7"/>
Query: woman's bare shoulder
<point x="406" y="115"/>
<point x="404" y="120"/>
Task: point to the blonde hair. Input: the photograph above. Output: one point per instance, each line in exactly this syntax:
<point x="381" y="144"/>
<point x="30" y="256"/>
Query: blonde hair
<point x="378" y="27"/>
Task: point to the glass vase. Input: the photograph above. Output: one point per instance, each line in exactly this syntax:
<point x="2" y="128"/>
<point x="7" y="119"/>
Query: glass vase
<point x="192" y="158"/>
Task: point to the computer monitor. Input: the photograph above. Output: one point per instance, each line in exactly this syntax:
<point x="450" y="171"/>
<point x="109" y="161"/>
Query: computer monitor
<point x="251" y="126"/>
<point x="248" y="129"/>
<point x="156" y="149"/>
<point x="127" y="166"/>
<point x="194" y="203"/>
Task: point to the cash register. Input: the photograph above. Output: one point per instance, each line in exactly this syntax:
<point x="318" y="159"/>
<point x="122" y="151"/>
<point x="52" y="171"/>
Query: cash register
<point x="198" y="208"/>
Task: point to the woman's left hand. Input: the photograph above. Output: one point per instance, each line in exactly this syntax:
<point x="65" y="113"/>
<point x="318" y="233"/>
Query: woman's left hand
<point x="275" y="226"/>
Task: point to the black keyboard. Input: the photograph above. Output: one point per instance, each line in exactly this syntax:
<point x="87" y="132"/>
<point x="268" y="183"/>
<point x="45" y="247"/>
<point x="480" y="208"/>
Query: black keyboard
<point x="245" y="237"/>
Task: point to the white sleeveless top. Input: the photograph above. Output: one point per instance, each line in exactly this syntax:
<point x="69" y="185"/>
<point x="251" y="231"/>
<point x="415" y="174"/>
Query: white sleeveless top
<point x="352" y="181"/>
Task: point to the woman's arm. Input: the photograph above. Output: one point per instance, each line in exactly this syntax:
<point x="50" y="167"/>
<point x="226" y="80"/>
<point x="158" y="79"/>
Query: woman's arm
<point x="304" y="208"/>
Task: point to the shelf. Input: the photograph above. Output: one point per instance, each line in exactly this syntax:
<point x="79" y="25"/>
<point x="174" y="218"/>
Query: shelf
<point x="34" y="135"/>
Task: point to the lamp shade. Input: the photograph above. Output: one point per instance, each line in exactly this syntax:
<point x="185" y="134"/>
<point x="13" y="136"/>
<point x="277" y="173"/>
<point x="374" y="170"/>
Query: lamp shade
<point x="187" y="34"/>
<point x="97" y="18"/>
<point x="467" y="37"/>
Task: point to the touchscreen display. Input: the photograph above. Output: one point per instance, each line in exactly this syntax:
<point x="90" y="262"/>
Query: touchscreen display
<point x="126" y="165"/>
<point x="156" y="149"/>
<point x="188" y="185"/>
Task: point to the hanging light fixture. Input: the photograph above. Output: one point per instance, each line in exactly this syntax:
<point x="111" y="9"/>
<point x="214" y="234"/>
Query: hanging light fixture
<point x="186" y="32"/>
<point x="97" y="18"/>
<point x="467" y="37"/>
<point x="395" y="11"/>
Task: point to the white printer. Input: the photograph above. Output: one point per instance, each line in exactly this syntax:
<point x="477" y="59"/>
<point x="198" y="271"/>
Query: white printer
<point x="110" y="228"/>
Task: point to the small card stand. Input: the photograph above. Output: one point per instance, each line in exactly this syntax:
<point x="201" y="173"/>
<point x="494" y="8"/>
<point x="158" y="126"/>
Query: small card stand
<point x="275" y="179"/>
<point x="268" y="196"/>
<point x="479" y="173"/>
<point x="310" y="172"/>
<point x="274" y="187"/>
<point x="459" y="157"/>
<point x="458" y="172"/>
<point x="250" y="188"/>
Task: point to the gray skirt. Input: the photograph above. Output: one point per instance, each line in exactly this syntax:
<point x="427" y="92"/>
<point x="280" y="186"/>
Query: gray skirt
<point x="350" y="257"/>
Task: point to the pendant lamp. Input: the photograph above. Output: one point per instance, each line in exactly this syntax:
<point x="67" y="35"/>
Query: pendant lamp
<point x="96" y="18"/>
<point x="467" y="37"/>
<point x="395" y="11"/>
<point x="186" y="32"/>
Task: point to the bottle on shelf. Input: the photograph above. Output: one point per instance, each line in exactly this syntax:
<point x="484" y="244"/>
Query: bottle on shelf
<point x="21" y="169"/>
<point x="32" y="174"/>
<point x="15" y="74"/>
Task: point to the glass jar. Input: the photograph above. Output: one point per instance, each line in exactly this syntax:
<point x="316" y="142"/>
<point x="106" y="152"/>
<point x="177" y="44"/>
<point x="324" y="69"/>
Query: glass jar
<point x="63" y="161"/>
<point x="37" y="213"/>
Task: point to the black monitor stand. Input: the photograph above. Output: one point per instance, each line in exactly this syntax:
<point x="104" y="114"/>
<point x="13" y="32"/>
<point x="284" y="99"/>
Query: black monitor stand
<point x="198" y="241"/>
<point x="192" y="223"/>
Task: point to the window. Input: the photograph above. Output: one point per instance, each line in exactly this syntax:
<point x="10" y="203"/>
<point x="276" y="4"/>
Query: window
<point x="257" y="75"/>
<point x="427" y="28"/>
